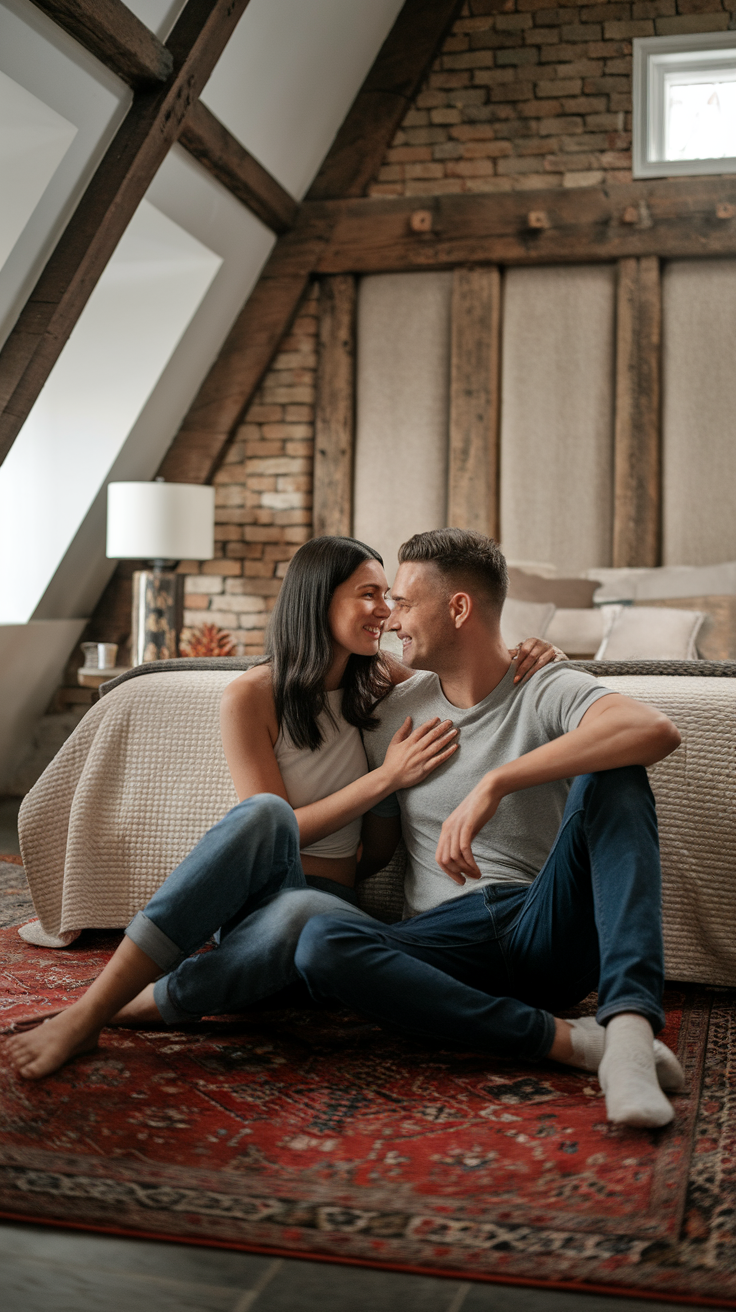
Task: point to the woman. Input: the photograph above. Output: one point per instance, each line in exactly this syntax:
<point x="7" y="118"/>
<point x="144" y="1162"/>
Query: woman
<point x="292" y="736"/>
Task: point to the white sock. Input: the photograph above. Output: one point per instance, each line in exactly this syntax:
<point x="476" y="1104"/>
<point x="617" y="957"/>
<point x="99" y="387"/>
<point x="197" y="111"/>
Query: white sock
<point x="588" y="1043"/>
<point x="588" y="1040"/>
<point x="670" y="1074"/>
<point x="628" y="1076"/>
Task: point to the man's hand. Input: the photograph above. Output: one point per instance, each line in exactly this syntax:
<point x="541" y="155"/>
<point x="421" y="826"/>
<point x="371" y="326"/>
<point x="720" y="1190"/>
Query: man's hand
<point x="454" y="852"/>
<point x="615" y="731"/>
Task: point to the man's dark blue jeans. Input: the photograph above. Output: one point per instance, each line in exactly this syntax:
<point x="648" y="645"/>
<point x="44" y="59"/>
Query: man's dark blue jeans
<point x="491" y="968"/>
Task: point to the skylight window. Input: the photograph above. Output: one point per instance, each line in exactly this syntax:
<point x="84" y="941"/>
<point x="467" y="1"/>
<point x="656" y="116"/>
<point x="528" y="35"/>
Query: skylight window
<point x="685" y="105"/>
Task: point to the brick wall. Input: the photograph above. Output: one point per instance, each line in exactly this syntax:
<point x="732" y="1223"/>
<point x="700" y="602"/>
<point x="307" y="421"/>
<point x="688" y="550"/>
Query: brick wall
<point x="526" y="94"/>
<point x="263" y="495"/>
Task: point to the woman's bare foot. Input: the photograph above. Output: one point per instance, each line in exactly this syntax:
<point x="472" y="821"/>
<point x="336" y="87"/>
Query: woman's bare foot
<point x="42" y="1051"/>
<point x="142" y="1010"/>
<point x="76" y="1030"/>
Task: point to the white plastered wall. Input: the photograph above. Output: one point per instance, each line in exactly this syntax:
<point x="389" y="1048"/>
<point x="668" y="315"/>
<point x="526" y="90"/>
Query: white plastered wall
<point x="699" y="412"/>
<point x="31" y="658"/>
<point x="403" y="336"/>
<point x="557" y="415"/>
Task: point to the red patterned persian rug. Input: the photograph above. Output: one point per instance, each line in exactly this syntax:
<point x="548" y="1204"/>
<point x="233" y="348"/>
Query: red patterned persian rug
<point x="312" y="1133"/>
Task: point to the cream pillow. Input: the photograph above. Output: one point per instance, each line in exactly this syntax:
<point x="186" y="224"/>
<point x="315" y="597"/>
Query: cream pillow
<point x="524" y="619"/>
<point x="641" y="633"/>
<point x="579" y="632"/>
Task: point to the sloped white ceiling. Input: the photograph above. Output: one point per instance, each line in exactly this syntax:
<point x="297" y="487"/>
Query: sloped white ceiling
<point x="158" y="15"/>
<point x="289" y="75"/>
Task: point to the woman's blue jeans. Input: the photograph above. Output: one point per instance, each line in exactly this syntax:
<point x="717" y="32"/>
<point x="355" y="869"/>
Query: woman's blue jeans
<point x="489" y="969"/>
<point x="244" y="883"/>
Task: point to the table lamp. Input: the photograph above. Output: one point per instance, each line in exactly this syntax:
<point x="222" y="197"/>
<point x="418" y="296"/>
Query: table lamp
<point x="164" y="523"/>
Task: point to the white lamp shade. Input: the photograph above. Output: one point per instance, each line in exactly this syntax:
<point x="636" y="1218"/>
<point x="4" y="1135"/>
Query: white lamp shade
<point x="160" y="521"/>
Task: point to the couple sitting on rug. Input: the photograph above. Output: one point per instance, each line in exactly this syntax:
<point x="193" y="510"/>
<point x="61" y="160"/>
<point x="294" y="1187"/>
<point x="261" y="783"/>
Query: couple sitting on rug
<point x="524" y="891"/>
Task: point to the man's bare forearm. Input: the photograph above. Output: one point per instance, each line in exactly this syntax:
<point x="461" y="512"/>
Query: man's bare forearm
<point x="616" y="736"/>
<point x="614" y="732"/>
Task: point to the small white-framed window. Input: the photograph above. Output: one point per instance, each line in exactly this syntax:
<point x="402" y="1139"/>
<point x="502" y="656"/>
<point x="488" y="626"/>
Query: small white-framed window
<point x="684" y="104"/>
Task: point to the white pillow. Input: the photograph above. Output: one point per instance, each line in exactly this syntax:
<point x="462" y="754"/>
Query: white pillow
<point x="579" y="632"/>
<point x="524" y="619"/>
<point x="616" y="584"/>
<point x="640" y="633"/>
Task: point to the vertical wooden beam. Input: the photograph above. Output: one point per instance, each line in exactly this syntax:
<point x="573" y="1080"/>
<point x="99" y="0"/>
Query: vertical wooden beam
<point x="334" y="436"/>
<point x="474" y="400"/>
<point x="637" y="459"/>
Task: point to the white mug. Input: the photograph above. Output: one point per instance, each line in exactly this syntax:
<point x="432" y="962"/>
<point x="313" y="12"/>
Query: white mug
<point x="106" y="655"/>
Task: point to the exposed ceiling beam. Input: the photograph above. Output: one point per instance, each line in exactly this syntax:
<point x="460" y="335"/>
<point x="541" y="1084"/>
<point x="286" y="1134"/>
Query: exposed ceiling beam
<point x="209" y="141"/>
<point x="351" y="163"/>
<point x="109" y="30"/>
<point x="384" y="98"/>
<point x="670" y="218"/>
<point x="104" y="212"/>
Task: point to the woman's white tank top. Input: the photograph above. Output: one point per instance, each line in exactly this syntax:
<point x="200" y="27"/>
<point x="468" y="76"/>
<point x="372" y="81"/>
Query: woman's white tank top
<point x="310" y="776"/>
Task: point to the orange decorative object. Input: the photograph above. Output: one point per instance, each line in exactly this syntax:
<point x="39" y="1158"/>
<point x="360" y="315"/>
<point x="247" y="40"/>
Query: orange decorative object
<point x="206" y="640"/>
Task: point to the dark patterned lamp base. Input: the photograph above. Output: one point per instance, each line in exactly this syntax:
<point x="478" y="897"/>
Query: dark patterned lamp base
<point x="158" y="602"/>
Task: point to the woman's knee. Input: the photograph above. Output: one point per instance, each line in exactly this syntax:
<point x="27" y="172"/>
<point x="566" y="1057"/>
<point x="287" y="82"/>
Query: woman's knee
<point x="268" y="810"/>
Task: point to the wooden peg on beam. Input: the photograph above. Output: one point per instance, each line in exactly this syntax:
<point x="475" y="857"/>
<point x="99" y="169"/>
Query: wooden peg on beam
<point x="724" y="210"/>
<point x="421" y="221"/>
<point x="538" y="219"/>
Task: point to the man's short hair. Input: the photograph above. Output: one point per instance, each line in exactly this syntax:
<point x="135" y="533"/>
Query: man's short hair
<point x="465" y="558"/>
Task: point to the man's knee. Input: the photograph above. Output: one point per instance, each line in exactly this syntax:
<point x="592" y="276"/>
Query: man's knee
<point x="626" y="784"/>
<point x="319" y="945"/>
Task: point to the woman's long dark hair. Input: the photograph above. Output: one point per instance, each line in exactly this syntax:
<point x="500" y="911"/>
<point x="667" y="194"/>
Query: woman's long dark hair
<point x="299" y="643"/>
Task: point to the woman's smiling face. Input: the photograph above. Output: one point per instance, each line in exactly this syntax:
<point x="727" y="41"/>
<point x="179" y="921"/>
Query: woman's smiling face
<point x="359" y="610"/>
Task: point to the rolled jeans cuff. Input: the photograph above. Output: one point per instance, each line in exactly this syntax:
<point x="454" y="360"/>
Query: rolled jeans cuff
<point x="168" y="1011"/>
<point x="643" y="1006"/>
<point x="156" y="945"/>
<point x="548" y="1038"/>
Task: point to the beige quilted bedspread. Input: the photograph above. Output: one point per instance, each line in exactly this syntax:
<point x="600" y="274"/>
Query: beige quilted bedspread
<point x="143" y="777"/>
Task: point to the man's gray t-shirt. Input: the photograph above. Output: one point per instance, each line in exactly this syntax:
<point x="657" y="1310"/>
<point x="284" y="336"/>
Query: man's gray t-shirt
<point x="509" y="722"/>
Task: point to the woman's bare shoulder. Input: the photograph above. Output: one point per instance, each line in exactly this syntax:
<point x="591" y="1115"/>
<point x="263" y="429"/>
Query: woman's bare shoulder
<point x="252" y="691"/>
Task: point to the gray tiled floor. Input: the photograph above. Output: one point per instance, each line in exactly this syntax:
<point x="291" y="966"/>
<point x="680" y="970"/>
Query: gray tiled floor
<point x="63" y="1270"/>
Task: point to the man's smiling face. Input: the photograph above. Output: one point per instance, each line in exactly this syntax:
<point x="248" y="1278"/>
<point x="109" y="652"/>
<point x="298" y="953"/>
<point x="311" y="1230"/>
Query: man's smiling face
<point x="421" y="616"/>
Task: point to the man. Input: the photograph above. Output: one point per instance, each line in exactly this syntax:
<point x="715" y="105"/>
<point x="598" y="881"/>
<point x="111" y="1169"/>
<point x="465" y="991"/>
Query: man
<point x="524" y="891"/>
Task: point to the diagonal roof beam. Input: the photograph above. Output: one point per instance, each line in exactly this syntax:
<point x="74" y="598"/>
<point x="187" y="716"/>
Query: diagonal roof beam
<point x="209" y="141"/>
<point x="106" y="208"/>
<point x="115" y="35"/>
<point x="351" y="163"/>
